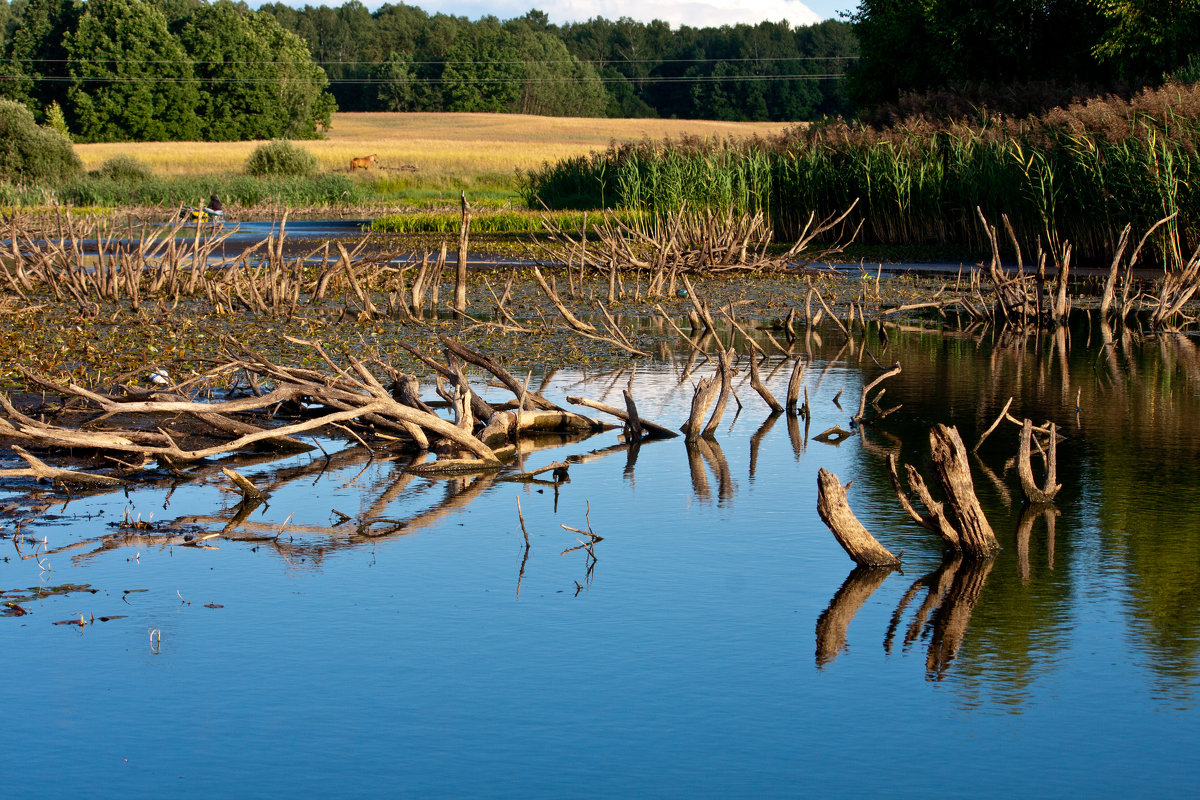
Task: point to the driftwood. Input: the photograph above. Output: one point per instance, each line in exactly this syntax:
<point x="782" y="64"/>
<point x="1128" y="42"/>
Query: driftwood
<point x="857" y="541"/>
<point x="652" y="430"/>
<point x="953" y="472"/>
<point x="761" y="388"/>
<point x="862" y="403"/>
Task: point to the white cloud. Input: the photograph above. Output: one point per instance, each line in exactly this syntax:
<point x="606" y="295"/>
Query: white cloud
<point x="696" y="13"/>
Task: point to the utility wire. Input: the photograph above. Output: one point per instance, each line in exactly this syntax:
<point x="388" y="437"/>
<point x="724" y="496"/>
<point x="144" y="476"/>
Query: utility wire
<point x="424" y="81"/>
<point x="485" y="62"/>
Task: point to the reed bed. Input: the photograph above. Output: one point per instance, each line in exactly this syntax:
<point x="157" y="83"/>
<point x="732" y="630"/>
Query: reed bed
<point x="1078" y="174"/>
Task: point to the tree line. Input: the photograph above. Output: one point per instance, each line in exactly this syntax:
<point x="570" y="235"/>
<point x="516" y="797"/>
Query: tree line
<point x="951" y="57"/>
<point x="400" y="58"/>
<point x="155" y="70"/>
<point x="194" y="69"/>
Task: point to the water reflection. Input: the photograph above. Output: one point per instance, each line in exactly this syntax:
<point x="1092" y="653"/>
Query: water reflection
<point x="1126" y="524"/>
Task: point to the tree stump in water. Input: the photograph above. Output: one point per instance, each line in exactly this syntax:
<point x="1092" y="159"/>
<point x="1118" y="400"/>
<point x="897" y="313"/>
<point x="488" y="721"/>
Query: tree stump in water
<point x="953" y="472"/>
<point x="1033" y="493"/>
<point x="857" y="541"/>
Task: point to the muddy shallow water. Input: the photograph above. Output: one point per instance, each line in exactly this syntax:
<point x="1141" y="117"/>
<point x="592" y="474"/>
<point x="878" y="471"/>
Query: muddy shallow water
<point x="720" y="643"/>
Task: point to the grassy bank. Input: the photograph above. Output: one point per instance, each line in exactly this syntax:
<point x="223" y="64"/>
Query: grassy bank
<point x="1077" y="174"/>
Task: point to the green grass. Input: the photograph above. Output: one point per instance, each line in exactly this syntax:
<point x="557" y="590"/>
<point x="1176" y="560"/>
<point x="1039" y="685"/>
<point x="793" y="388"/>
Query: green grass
<point x="490" y="222"/>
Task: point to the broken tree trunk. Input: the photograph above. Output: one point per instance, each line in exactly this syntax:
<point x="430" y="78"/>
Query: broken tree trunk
<point x="761" y="388"/>
<point x="857" y="541"/>
<point x="706" y="392"/>
<point x="1033" y="493"/>
<point x="953" y="472"/>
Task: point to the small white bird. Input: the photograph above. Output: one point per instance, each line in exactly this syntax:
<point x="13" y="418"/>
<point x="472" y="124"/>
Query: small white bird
<point x="160" y="377"/>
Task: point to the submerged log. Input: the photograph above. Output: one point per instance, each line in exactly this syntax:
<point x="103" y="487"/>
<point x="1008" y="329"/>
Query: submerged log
<point x="503" y="424"/>
<point x="857" y="541"/>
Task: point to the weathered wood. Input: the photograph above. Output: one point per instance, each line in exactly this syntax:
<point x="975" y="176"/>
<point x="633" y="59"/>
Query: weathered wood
<point x="862" y="402"/>
<point x="460" y="274"/>
<point x="794" y="382"/>
<point x="40" y="470"/>
<point x="863" y="548"/>
<point x="953" y="472"/>
<point x="725" y="372"/>
<point x="936" y="520"/>
<point x="1034" y="493"/>
<point x="993" y="426"/>
<point x="491" y="365"/>
<point x="651" y="430"/>
<point x="705" y="393"/>
<point x="634" y="422"/>
<point x="250" y="492"/>
<point x="761" y="388"/>
<point x="503" y="424"/>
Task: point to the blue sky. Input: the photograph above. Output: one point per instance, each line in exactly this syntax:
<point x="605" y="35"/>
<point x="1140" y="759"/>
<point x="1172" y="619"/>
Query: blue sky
<point x="697" y="13"/>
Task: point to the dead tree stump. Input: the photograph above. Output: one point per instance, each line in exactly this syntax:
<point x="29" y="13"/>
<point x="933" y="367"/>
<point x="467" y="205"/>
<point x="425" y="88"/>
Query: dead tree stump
<point x="1033" y="493"/>
<point x="857" y="541"/>
<point x="953" y="472"/>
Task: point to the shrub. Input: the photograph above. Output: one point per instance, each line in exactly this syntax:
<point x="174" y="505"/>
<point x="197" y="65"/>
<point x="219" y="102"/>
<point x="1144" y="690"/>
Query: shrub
<point x="125" y="168"/>
<point x="29" y="152"/>
<point x="281" y="157"/>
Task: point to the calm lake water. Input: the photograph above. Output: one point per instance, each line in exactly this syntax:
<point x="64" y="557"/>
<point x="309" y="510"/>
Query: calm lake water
<point x="705" y="652"/>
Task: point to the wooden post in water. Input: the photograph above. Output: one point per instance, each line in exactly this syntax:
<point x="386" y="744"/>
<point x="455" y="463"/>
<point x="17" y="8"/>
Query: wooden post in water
<point x="460" y="277"/>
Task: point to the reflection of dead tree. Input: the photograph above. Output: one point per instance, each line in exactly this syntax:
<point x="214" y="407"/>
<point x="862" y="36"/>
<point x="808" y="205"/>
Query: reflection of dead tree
<point x="953" y="615"/>
<point x="587" y="544"/>
<point x="1024" y="531"/>
<point x="835" y="620"/>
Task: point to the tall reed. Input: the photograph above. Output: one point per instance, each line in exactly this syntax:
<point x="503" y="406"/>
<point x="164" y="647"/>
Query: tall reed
<point x="1075" y="174"/>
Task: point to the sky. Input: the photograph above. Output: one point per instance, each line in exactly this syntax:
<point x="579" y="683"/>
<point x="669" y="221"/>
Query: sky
<point x="696" y="13"/>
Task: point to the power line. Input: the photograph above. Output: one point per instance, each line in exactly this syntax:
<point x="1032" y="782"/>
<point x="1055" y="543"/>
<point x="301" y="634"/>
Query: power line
<point x="484" y="62"/>
<point x="426" y="81"/>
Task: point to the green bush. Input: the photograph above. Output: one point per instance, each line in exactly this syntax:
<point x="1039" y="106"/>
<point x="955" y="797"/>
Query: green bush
<point x="31" y="153"/>
<point x="281" y="157"/>
<point x="124" y="168"/>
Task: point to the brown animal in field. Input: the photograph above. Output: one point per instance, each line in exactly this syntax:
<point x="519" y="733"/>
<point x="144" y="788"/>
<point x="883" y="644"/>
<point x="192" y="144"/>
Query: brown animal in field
<point x="363" y="163"/>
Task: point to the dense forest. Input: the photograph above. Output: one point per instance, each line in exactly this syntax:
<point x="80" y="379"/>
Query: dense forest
<point x="403" y="59"/>
<point x="187" y="69"/>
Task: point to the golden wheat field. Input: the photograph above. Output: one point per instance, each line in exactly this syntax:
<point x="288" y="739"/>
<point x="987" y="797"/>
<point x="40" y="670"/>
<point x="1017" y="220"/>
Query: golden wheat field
<point x="440" y="146"/>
